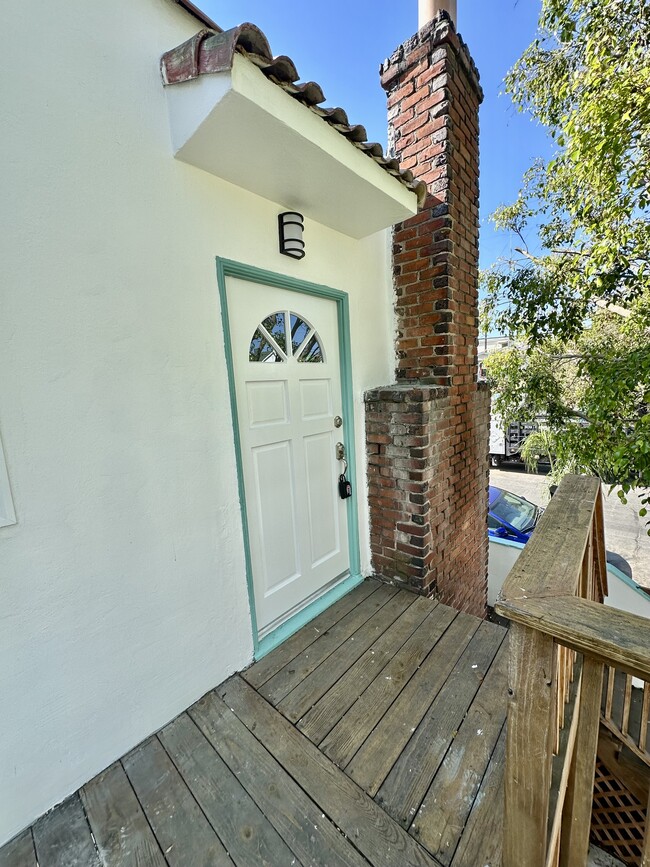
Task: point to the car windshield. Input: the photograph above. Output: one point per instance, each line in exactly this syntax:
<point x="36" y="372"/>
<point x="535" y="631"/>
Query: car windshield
<point x="513" y="510"/>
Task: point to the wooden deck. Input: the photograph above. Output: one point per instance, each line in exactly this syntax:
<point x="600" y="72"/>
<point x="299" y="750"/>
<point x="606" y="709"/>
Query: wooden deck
<point x="375" y="735"/>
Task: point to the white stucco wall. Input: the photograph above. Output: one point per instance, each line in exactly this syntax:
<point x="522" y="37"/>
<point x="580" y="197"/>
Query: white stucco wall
<point x="502" y="556"/>
<point x="122" y="589"/>
<point x="623" y="593"/>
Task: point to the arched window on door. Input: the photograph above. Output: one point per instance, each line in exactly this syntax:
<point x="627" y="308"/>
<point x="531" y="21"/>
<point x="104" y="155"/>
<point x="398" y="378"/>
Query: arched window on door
<point x="274" y="342"/>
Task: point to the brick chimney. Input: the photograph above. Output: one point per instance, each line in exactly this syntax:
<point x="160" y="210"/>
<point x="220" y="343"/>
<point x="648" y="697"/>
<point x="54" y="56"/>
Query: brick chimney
<point x="427" y="436"/>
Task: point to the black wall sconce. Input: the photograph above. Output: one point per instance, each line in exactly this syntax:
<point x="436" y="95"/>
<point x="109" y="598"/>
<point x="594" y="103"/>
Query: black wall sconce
<point x="291" y="226"/>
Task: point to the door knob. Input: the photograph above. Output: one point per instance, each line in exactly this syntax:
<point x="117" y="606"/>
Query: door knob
<point x="340" y="452"/>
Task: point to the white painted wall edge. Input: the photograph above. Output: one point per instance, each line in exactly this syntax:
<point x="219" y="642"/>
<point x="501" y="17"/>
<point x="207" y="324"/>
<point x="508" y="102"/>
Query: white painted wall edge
<point x="7" y="511"/>
<point x="623" y="592"/>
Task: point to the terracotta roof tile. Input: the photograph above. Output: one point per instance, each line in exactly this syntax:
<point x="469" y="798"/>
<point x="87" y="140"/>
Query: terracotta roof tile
<point x="210" y="52"/>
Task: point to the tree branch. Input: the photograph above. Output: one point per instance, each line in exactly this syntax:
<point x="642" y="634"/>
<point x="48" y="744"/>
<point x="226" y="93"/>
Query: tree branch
<point x="528" y="255"/>
<point x="613" y="308"/>
<point x="521" y="237"/>
<point x="574" y="413"/>
<point x="578" y="253"/>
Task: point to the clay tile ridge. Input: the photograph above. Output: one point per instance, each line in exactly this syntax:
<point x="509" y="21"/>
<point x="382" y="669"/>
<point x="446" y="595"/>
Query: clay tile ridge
<point x="209" y="51"/>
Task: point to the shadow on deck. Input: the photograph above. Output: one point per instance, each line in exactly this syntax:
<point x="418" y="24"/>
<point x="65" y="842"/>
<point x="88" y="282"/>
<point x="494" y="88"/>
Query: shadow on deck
<point x="375" y="735"/>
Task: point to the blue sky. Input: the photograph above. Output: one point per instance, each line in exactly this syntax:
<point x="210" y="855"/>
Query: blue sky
<point x="340" y="45"/>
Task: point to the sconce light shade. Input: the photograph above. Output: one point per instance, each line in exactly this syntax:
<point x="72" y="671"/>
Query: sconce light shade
<point x="291" y="225"/>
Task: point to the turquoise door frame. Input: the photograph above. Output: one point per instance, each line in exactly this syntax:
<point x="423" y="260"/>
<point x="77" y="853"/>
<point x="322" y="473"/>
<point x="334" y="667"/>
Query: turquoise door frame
<point x="228" y="268"/>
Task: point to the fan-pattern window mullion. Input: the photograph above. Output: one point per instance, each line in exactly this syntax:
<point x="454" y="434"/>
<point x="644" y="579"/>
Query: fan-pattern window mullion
<point x="273" y="341"/>
<point x="299" y="351"/>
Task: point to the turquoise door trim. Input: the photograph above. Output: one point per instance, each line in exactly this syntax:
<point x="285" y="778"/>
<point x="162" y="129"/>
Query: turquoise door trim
<point x="228" y="268"/>
<point x="305" y="615"/>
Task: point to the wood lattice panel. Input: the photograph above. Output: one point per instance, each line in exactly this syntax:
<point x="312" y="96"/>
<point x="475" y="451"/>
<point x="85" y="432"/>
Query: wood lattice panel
<point x="618" y="818"/>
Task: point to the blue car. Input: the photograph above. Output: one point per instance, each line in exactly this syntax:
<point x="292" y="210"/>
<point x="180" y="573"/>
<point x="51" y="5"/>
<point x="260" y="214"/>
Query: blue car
<point x="510" y="516"/>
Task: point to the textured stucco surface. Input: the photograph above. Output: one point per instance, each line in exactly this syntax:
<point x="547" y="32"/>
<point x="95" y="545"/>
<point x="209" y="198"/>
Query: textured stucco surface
<point x="122" y="586"/>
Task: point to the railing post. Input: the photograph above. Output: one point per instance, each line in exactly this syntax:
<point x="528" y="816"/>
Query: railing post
<point x="645" y="858"/>
<point x="576" y="819"/>
<point x="600" y="554"/>
<point x="553" y="594"/>
<point x="529" y="747"/>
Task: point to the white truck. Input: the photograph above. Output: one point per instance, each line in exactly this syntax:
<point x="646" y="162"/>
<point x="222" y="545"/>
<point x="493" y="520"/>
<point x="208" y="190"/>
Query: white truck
<point x="505" y="443"/>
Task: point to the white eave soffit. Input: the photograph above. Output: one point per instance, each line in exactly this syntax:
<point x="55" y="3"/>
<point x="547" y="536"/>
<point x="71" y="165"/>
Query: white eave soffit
<point x="241" y="127"/>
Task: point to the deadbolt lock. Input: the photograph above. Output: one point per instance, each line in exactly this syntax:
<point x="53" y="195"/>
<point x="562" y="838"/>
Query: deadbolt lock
<point x="338" y="421"/>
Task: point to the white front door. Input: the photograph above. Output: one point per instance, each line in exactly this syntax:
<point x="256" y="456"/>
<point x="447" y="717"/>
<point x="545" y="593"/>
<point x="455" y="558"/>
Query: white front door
<point x="285" y="352"/>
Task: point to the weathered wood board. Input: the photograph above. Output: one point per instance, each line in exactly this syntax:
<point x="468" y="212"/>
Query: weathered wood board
<point x="243" y="828"/>
<point x="348" y="735"/>
<point x="379" y="751"/>
<point x="181" y="828"/>
<point x="19" y="852"/>
<point x="263" y="670"/>
<point x="121" y="830"/>
<point x="298" y="818"/>
<point x="62" y="837"/>
<point x="381" y="840"/>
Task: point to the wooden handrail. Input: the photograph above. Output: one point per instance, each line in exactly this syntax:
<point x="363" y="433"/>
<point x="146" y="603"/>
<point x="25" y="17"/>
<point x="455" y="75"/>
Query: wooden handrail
<point x="607" y="634"/>
<point x="554" y="596"/>
<point x="550" y="565"/>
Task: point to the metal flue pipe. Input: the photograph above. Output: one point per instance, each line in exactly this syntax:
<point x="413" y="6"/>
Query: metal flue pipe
<point x="428" y="9"/>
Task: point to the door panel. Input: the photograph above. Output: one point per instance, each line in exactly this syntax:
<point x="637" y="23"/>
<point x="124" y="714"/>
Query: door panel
<point x="322" y="499"/>
<point x="285" y="349"/>
<point x="268" y="403"/>
<point x="276" y="513"/>
<point x="316" y="398"/>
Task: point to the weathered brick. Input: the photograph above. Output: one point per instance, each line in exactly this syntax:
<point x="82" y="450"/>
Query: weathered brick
<point x="427" y="436"/>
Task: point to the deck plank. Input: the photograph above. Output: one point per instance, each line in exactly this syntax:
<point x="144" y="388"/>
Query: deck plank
<point x="269" y="665"/>
<point x="314" y="686"/>
<point x="348" y="735"/>
<point x="381" y="840"/>
<point x="19" y="852"/>
<point x="62" y="837"/>
<point x="386" y="747"/>
<point x="297" y="818"/>
<point x="441" y="819"/>
<point x="183" y="832"/>
<point x="246" y="833"/>
<point x="379" y="752"/>
<point x="325" y="714"/>
<point x="482" y="840"/>
<point x="294" y="672"/>
<point x="404" y="788"/>
<point x="121" y="830"/>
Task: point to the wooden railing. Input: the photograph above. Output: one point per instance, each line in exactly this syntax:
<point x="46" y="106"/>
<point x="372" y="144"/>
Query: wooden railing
<point x="561" y="639"/>
<point x="625" y="711"/>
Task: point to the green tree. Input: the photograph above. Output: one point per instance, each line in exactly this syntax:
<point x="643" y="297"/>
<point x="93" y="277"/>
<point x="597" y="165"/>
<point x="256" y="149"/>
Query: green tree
<point x="578" y="296"/>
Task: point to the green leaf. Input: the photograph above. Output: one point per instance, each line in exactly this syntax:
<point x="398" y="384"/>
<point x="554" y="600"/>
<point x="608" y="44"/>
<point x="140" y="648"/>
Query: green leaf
<point x="585" y="217"/>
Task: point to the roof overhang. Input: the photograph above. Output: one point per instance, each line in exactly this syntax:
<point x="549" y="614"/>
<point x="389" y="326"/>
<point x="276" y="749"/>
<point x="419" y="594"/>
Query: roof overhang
<point x="199" y="14"/>
<point x="238" y="125"/>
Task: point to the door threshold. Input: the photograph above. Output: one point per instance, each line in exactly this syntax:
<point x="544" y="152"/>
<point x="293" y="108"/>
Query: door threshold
<point x="286" y="629"/>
